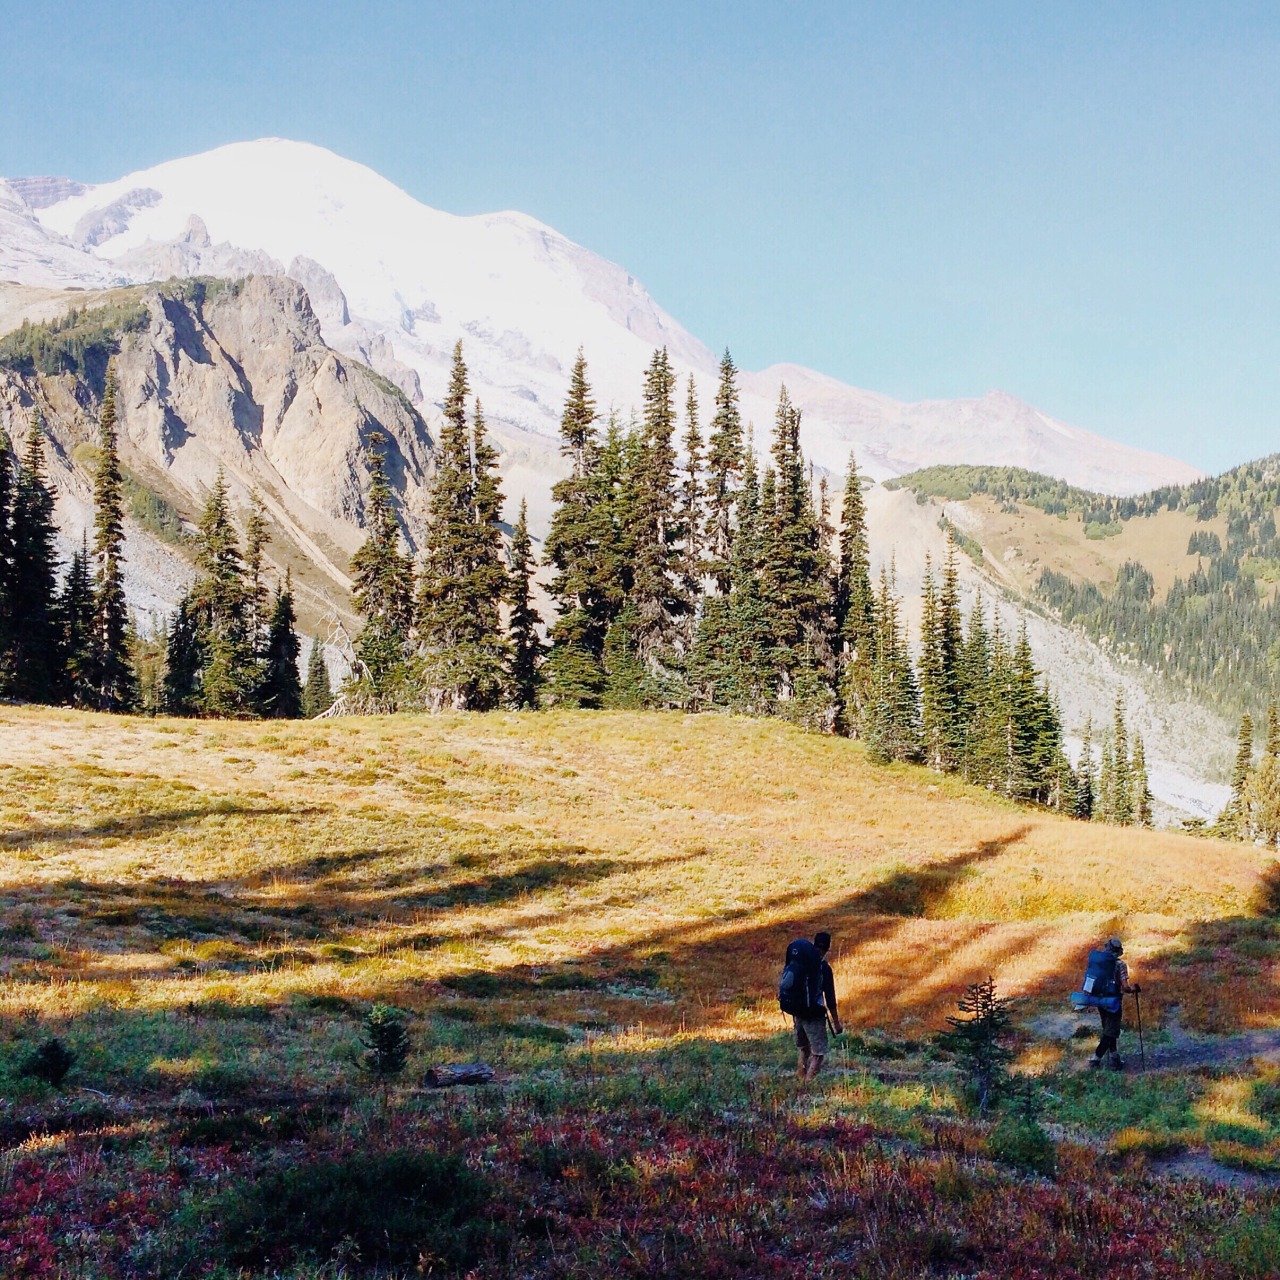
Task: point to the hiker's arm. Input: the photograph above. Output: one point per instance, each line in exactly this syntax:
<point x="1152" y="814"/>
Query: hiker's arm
<point x="829" y="996"/>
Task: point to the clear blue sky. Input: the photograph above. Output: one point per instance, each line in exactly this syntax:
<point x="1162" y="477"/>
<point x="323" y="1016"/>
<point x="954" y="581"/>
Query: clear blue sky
<point x="1077" y="202"/>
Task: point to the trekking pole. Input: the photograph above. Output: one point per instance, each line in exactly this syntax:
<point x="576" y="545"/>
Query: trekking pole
<point x="1142" y="1048"/>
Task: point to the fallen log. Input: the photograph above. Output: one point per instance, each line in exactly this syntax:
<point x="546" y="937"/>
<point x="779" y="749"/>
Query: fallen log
<point x="459" y="1073"/>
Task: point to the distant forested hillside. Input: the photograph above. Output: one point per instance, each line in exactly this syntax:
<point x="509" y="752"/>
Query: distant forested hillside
<point x="1217" y="629"/>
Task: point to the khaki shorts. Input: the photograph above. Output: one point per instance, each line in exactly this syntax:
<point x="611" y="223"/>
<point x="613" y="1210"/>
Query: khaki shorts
<point x="811" y="1034"/>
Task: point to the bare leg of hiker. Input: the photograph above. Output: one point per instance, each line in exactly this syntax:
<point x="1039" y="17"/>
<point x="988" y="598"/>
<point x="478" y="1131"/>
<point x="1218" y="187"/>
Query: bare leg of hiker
<point x="815" y="1065"/>
<point x="802" y="1065"/>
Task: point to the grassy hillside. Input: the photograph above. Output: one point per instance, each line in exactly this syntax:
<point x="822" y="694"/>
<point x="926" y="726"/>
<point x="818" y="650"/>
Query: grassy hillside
<point x="596" y="905"/>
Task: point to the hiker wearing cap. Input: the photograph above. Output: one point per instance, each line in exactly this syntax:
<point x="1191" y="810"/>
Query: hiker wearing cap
<point x="807" y="991"/>
<point x="1110" y="977"/>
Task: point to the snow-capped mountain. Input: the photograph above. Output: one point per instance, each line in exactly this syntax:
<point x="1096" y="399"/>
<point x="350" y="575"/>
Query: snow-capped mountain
<point x="398" y="283"/>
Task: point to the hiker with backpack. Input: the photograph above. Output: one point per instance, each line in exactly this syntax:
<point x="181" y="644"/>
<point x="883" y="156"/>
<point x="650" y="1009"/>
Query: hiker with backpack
<point x="807" y="991"/>
<point x="1106" y="983"/>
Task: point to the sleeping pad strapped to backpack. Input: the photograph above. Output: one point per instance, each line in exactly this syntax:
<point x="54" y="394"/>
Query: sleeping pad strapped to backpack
<point x="800" y="988"/>
<point x="1099" y="990"/>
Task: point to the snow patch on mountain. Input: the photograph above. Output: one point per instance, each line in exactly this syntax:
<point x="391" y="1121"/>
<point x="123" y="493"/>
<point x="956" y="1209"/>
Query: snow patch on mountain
<point x="521" y="296"/>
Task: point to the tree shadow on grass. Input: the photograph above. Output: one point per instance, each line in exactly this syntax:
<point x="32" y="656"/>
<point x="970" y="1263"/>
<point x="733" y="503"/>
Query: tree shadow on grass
<point x="145" y="824"/>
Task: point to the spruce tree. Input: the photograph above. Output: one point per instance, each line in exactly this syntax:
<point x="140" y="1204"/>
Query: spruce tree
<point x="854" y="605"/>
<point x="725" y="463"/>
<point x="1272" y="747"/>
<point x="317" y="693"/>
<point x="526" y="645"/>
<point x="893" y="721"/>
<point x="795" y="566"/>
<point x="184" y="660"/>
<point x="383" y="588"/>
<point x="256" y="536"/>
<point x="1122" y="797"/>
<point x="114" y="686"/>
<point x="689" y="509"/>
<point x="1232" y="819"/>
<point x="75" y="625"/>
<point x="463" y="652"/>
<point x="659" y="599"/>
<point x="576" y="547"/>
<point x="1086" y="781"/>
<point x="1143" y="801"/>
<point x="230" y="669"/>
<point x="34" y="673"/>
<point x="279" y="695"/>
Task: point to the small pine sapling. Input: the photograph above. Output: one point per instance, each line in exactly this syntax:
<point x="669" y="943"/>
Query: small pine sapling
<point x="386" y="1041"/>
<point x="979" y="1040"/>
<point x="50" y="1062"/>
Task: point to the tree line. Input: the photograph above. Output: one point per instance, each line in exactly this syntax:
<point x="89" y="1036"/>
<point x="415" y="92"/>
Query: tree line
<point x="231" y="650"/>
<point x="684" y="576"/>
<point x="1253" y="812"/>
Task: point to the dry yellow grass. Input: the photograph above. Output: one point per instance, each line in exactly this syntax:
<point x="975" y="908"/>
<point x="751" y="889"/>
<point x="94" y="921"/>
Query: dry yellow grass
<point x="612" y="869"/>
<point x="1021" y="544"/>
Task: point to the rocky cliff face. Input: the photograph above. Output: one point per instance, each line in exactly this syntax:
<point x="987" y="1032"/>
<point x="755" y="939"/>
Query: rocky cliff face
<point x="235" y="377"/>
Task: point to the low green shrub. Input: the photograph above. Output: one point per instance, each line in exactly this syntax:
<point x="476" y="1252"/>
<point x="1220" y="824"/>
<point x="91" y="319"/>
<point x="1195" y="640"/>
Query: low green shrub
<point x="398" y="1208"/>
<point x="1023" y="1144"/>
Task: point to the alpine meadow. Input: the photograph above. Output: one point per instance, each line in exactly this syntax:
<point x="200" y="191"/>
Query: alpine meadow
<point x="493" y="786"/>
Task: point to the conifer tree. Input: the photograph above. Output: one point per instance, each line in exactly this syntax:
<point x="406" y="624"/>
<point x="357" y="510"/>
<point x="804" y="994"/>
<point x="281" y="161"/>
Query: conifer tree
<point x="982" y="738"/>
<point x="689" y="508"/>
<point x="463" y="582"/>
<point x="229" y="670"/>
<point x="893" y="725"/>
<point x="184" y="659"/>
<point x="114" y="684"/>
<point x="1086" y="782"/>
<point x="74" y="615"/>
<point x="751" y="630"/>
<point x="854" y="604"/>
<point x="659" y="599"/>
<point x="34" y="673"/>
<point x="383" y="585"/>
<point x="795" y="567"/>
<point x="317" y="693"/>
<point x="256" y="536"/>
<point x="1143" y="801"/>
<point x="522" y="626"/>
<point x="279" y="695"/>
<point x="1122" y="797"/>
<point x="1231" y="822"/>
<point x="575" y="549"/>
<point x="725" y="462"/>
<point x="7" y="619"/>
<point x="1272" y="747"/>
<point x="1105" y="808"/>
<point x="1262" y="802"/>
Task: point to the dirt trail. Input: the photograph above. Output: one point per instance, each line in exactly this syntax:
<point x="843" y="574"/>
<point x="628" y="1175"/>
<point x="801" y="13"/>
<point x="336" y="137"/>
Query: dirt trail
<point x="1171" y="1047"/>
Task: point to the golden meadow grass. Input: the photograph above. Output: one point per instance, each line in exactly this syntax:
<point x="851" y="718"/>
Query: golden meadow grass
<point x="613" y="870"/>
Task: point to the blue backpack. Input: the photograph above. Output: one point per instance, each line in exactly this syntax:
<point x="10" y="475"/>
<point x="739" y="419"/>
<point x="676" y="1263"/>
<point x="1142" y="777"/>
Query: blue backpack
<point x="800" y="987"/>
<point x="1099" y="990"/>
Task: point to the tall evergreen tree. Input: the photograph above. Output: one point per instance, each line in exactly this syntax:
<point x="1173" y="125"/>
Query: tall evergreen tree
<point x="689" y="508"/>
<point x="1231" y="821"/>
<point x="893" y="721"/>
<point x="1122" y="797"/>
<point x="725" y="462"/>
<point x="659" y="598"/>
<point x="75" y="617"/>
<point x="34" y="673"/>
<point x="1272" y="747"/>
<point x="522" y="626"/>
<point x="184" y="659"/>
<point x="7" y="618"/>
<point x="463" y="582"/>
<point x="1143" y="801"/>
<point x="576" y="547"/>
<point x="317" y="693"/>
<point x="256" y="536"/>
<point x="854" y="604"/>
<point x="230" y="669"/>
<point x="115" y="688"/>
<point x="279" y="694"/>
<point x="1086" y="779"/>
<point x="383" y="590"/>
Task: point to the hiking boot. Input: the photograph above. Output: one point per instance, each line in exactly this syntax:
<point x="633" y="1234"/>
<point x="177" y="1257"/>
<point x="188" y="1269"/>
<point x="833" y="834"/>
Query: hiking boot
<point x="1116" y="1063"/>
<point x="1094" y="1063"/>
